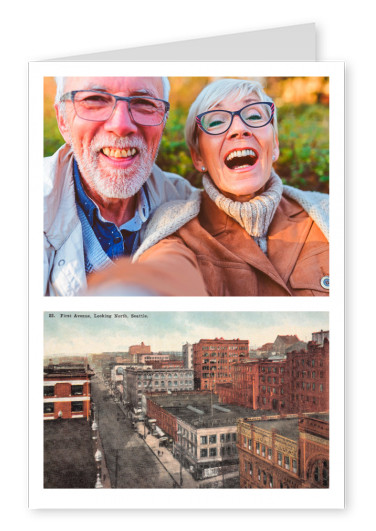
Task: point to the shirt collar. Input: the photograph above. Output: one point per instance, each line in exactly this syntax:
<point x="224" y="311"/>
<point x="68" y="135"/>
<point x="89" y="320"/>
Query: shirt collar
<point x="90" y="209"/>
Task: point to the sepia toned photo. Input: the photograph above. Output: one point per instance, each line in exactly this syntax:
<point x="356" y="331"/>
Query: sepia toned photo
<point x="186" y="186"/>
<point x="186" y="400"/>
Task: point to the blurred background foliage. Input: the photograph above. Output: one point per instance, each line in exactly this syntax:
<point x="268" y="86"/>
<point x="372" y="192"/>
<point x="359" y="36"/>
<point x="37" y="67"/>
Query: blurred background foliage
<point x="303" y="125"/>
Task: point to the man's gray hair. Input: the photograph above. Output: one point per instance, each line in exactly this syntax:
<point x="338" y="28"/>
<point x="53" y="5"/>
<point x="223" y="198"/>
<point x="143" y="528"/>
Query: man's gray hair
<point x="216" y="92"/>
<point x="60" y="84"/>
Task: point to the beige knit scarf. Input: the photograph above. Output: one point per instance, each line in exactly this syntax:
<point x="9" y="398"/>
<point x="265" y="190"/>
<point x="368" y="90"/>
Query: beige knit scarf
<point x="255" y="215"/>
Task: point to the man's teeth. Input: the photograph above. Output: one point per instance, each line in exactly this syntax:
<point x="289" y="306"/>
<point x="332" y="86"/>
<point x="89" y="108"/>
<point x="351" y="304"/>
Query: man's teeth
<point x="241" y="153"/>
<point x="119" y="153"/>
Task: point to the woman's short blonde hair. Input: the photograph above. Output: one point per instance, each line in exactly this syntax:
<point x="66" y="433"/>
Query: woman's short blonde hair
<point x="216" y="92"/>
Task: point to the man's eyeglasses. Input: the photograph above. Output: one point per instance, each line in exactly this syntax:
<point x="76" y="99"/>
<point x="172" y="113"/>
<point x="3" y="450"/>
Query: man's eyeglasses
<point x="253" y="115"/>
<point x="98" y="106"/>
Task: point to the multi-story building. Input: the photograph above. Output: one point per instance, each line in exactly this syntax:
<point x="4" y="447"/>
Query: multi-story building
<point x="141" y="380"/>
<point x="308" y="372"/>
<point x="151" y="357"/>
<point x="212" y="360"/>
<point x="295" y="383"/>
<point x="138" y="349"/>
<point x="167" y="364"/>
<point x="66" y="391"/>
<point x="282" y="343"/>
<point x="284" y="452"/>
<point x="318" y="337"/>
<point x="188" y="355"/>
<point x="205" y="432"/>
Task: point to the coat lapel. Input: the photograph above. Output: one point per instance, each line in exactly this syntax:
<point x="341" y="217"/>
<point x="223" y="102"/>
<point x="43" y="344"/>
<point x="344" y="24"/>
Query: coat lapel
<point x="236" y="240"/>
<point x="288" y="232"/>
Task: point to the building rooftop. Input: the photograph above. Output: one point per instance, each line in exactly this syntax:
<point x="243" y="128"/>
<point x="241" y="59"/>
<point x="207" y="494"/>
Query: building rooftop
<point x="202" y="410"/>
<point x="66" y="371"/>
<point x="287" y="427"/>
<point x="68" y="455"/>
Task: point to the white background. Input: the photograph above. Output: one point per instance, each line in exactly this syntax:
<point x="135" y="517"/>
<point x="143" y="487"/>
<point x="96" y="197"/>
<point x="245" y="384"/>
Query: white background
<point x="41" y="30"/>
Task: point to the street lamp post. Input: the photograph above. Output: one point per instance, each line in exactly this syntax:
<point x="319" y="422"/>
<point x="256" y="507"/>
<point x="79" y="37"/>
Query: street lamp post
<point x="98" y="460"/>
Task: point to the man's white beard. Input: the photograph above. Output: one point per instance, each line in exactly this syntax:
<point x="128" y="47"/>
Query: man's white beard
<point x="114" y="183"/>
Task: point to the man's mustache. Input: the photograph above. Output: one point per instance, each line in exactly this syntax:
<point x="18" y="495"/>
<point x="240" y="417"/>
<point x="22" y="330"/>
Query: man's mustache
<point x="100" y="142"/>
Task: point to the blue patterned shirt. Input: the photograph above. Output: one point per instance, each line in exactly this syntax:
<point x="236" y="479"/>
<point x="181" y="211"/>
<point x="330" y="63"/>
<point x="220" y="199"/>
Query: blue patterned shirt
<point x="115" y="241"/>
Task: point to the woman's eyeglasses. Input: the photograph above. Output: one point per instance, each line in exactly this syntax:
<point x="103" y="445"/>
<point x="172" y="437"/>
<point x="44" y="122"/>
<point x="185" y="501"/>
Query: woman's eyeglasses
<point x="254" y="115"/>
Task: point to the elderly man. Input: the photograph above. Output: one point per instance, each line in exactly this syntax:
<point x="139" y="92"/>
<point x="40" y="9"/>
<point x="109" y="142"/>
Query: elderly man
<point x="102" y="186"/>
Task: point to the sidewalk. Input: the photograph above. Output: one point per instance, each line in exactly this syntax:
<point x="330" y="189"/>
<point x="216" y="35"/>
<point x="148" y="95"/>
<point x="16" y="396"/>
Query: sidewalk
<point x="171" y="464"/>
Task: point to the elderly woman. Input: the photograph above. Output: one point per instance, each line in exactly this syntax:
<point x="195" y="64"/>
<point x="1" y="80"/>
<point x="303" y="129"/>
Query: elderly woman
<point x="248" y="234"/>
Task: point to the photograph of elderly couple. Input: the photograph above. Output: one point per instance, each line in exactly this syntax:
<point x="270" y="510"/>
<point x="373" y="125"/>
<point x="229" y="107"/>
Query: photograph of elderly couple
<point x="186" y="186"/>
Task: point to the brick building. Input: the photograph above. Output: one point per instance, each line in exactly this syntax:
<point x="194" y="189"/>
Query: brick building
<point x="212" y="359"/>
<point x="284" y="452"/>
<point x="296" y="383"/>
<point x="138" y="349"/>
<point x="66" y="391"/>
<point x="166" y="364"/>
<point x="308" y="380"/>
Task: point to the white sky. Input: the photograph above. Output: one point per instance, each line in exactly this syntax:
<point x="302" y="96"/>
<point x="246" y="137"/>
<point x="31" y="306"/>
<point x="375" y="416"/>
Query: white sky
<point x="170" y="330"/>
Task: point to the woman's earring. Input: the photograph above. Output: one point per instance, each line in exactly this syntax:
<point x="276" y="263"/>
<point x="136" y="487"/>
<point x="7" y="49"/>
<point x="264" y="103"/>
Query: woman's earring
<point x="203" y="168"/>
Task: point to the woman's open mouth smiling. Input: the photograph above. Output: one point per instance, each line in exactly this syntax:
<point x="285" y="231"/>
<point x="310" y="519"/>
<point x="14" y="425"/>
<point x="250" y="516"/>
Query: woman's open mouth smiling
<point x="241" y="158"/>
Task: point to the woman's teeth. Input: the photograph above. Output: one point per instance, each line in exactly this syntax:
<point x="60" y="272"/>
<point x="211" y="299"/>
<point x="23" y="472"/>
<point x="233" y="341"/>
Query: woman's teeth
<point x="241" y="153"/>
<point x="241" y="158"/>
<point x="119" y="153"/>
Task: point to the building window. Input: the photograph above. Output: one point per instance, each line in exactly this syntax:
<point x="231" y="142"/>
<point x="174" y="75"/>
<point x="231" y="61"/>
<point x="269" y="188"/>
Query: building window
<point x="259" y="474"/>
<point x="249" y="444"/>
<point x="270" y="481"/>
<point x="244" y="441"/>
<point x="321" y="388"/>
<point x="213" y="452"/>
<point x="258" y="448"/>
<point x="204" y="439"/>
<point x="264" y="478"/>
<point x="294" y="467"/>
<point x="250" y="469"/>
<point x="234" y="437"/>
<point x="48" y="407"/>
<point x="77" y="390"/>
<point x="204" y="452"/>
<point x="279" y="459"/>
<point x="287" y="462"/>
<point x="263" y="451"/>
<point x="212" y="439"/>
<point x="77" y="406"/>
<point x="269" y="454"/>
<point x="49" y="390"/>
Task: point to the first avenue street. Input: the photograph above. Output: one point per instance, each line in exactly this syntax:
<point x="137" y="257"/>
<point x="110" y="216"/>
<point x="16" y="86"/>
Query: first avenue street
<point x="130" y="462"/>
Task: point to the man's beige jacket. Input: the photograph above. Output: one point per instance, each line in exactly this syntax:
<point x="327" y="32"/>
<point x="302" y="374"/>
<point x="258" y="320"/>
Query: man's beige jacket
<point x="64" y="262"/>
